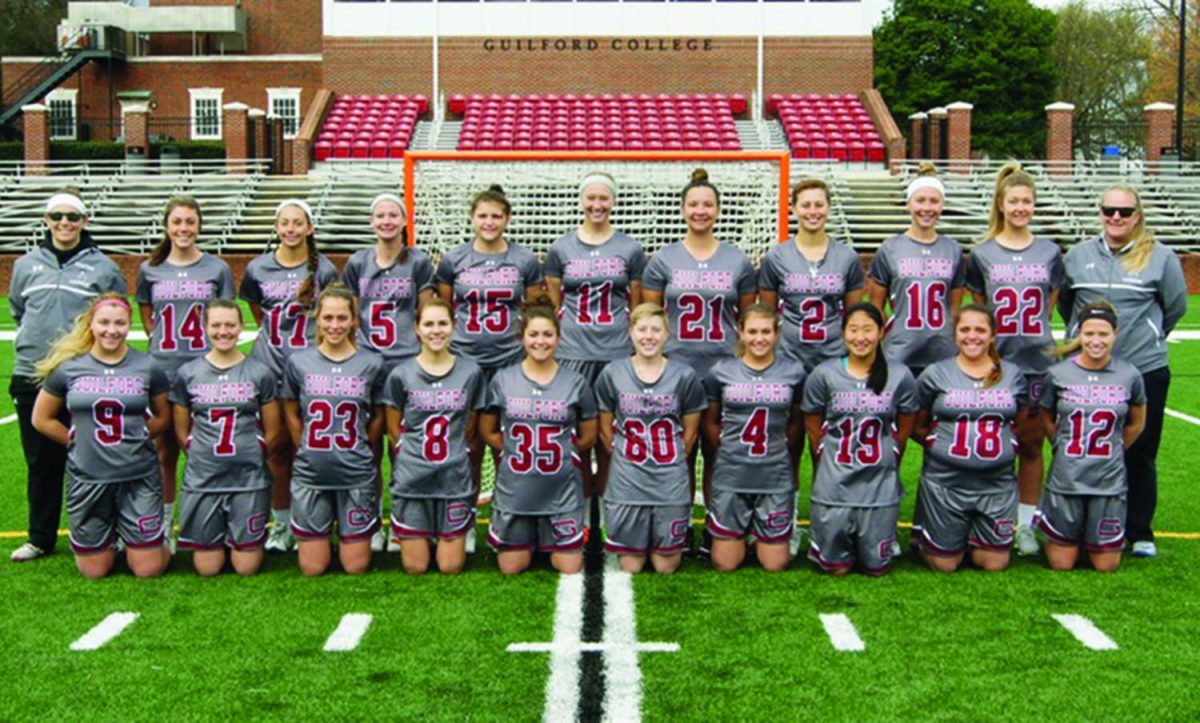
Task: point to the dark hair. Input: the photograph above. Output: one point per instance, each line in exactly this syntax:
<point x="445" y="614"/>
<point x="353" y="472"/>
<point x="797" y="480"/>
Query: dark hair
<point x="699" y="180"/>
<point x="809" y="184"/>
<point x="307" y="293"/>
<point x="877" y="378"/>
<point x="540" y="308"/>
<point x="338" y="290"/>
<point x="755" y="309"/>
<point x="1101" y="310"/>
<point x="163" y="248"/>
<point x="996" y="373"/>
<point x="222" y="304"/>
<point x="493" y="194"/>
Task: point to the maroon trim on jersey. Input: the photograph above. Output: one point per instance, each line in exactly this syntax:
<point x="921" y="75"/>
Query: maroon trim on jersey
<point x="572" y="546"/>
<point x="974" y="541"/>
<point x="403" y="532"/>
<point x="250" y="546"/>
<point x="782" y="537"/>
<point x="502" y="546"/>
<point x="877" y="571"/>
<point x="361" y="536"/>
<point x="815" y="555"/>
<point x="190" y="545"/>
<point x="1043" y="524"/>
<point x="309" y="534"/>
<point x="718" y="530"/>
<point x="610" y="546"/>
<point x="931" y="548"/>
<point x="1114" y="546"/>
<point x="670" y="550"/>
<point x="156" y="542"/>
<point x="85" y="550"/>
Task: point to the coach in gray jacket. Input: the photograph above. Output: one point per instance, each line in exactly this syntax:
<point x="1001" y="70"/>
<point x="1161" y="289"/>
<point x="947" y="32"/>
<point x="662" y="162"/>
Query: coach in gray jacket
<point x="1143" y="280"/>
<point x="51" y="285"/>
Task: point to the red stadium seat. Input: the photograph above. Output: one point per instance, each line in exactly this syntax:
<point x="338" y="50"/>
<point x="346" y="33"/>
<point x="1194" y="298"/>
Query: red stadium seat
<point x="322" y="150"/>
<point x="379" y="149"/>
<point x="360" y="149"/>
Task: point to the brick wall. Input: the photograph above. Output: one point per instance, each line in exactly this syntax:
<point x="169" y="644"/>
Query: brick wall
<point x="272" y="26"/>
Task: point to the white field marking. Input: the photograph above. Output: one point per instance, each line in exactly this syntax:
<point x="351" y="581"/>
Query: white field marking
<point x="139" y="336"/>
<point x="8" y="420"/>
<point x="842" y="634"/>
<point x="1170" y="413"/>
<point x="349" y="633"/>
<point x="1086" y="632"/>
<point x="562" y="687"/>
<point x="591" y="647"/>
<point x="623" y="677"/>
<point x="104" y="631"/>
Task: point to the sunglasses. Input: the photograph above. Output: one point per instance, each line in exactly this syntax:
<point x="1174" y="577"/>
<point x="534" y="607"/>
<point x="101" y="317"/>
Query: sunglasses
<point x="1122" y="211"/>
<point x="70" y="216"/>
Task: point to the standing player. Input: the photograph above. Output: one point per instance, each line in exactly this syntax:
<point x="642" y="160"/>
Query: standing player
<point x="173" y="287"/>
<point x="704" y="285"/>
<point x="1143" y="280"/>
<point x="1097" y="406"/>
<point x="116" y="399"/>
<point x="487" y="280"/>
<point x="331" y="404"/>
<point x="226" y="412"/>
<point x="969" y="406"/>
<point x="541" y="415"/>
<point x="920" y="275"/>
<point x="280" y="287"/>
<point x="755" y="424"/>
<point x="594" y="276"/>
<point x="432" y="402"/>
<point x="811" y="280"/>
<point x="390" y="280"/>
<point x="1018" y="276"/>
<point x="858" y="413"/>
<point x="51" y="286"/>
<point x="650" y="409"/>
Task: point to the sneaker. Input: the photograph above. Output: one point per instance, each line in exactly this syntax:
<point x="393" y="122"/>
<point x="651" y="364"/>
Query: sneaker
<point x="797" y="541"/>
<point x="280" y="539"/>
<point x="27" y="552"/>
<point x="393" y="545"/>
<point x="1027" y="543"/>
<point x="470" y="544"/>
<point x="379" y="540"/>
<point x="897" y="551"/>
<point x="170" y="543"/>
<point x="1141" y="548"/>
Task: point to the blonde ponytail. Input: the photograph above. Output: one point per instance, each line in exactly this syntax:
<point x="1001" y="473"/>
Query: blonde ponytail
<point x="78" y="340"/>
<point x="1010" y="176"/>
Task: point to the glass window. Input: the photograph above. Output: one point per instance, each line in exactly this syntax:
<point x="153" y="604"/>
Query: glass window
<point x="206" y="113"/>
<point x="63" y="121"/>
<point x="284" y="103"/>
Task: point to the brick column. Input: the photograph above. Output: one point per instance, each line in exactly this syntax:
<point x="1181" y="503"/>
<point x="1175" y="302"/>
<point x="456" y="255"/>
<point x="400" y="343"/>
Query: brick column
<point x="918" y="136"/>
<point x="37" y="138"/>
<point x="958" y="128"/>
<point x="258" y="132"/>
<point x="1060" y="150"/>
<point x="136" y="116"/>
<point x="1160" y="129"/>
<point x="937" y="126"/>
<point x="235" y="131"/>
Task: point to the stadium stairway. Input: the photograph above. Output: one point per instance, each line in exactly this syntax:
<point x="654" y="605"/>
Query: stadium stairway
<point x="257" y="220"/>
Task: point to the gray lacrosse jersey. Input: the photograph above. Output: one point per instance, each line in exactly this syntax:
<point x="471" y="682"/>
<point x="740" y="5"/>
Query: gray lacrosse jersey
<point x="701" y="298"/>
<point x="489" y="290"/>
<point x="177" y="296"/>
<point x="388" y="301"/>
<point x="858" y="462"/>
<point x="649" y="464"/>
<point x="595" y="294"/>
<point x="226" y="450"/>
<point x="972" y="445"/>
<point x="812" y="297"/>
<point x="336" y="399"/>
<point x="1090" y="408"/>
<point x="755" y="407"/>
<point x="919" y="278"/>
<point x="434" y="432"/>
<point x="1016" y="286"/>
<point x="538" y="473"/>
<point x="109" y="404"/>
<point x="273" y="287"/>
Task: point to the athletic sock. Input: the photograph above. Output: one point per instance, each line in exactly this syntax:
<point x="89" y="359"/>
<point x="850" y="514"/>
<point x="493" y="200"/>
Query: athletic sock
<point x="282" y="517"/>
<point x="168" y="516"/>
<point x="1025" y="515"/>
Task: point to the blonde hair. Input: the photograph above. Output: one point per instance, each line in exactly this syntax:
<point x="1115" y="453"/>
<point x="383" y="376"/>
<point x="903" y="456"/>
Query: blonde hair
<point x="79" y="339"/>
<point x="647" y="310"/>
<point x="1011" y="176"/>
<point x="756" y="309"/>
<point x="1074" y="345"/>
<point x="1143" y="240"/>
<point x="338" y="290"/>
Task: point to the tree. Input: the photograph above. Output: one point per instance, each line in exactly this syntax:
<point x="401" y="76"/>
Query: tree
<point x="994" y="54"/>
<point x="1164" y="59"/>
<point x="27" y="27"/>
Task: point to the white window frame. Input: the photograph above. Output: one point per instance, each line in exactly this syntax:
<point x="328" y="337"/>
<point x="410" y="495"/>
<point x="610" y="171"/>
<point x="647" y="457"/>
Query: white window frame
<point x="64" y="95"/>
<point x="196" y="95"/>
<point x="285" y="94"/>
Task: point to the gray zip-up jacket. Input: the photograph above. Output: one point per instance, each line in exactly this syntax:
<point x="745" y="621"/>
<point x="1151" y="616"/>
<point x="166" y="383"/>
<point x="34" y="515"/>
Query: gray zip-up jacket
<point x="45" y="298"/>
<point x="1149" y="303"/>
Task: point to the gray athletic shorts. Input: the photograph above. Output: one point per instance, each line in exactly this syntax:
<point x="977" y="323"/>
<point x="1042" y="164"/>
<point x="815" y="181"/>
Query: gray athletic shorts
<point x="638" y="529"/>
<point x="590" y="370"/>
<point x="98" y="512"/>
<point x="843" y="536"/>
<point x="1098" y="521"/>
<point x="1037" y="388"/>
<point x="952" y="519"/>
<point x="356" y="511"/>
<point x="770" y="517"/>
<point x="212" y="520"/>
<point x="558" y="532"/>
<point x="415" y="518"/>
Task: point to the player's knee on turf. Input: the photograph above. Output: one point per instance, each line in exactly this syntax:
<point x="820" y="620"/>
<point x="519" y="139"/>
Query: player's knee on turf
<point x="208" y="562"/>
<point x="1106" y="561"/>
<point x="247" y="563"/>
<point x="567" y="563"/>
<point x="355" y="557"/>
<point x="147" y="563"/>
<point x="727" y="555"/>
<point x="991" y="562"/>
<point x="666" y="564"/>
<point x="95" y="567"/>
<point x="1061" y="557"/>
<point x="514" y="562"/>
<point x="773" y="557"/>
<point x="633" y="564"/>
<point x="942" y="563"/>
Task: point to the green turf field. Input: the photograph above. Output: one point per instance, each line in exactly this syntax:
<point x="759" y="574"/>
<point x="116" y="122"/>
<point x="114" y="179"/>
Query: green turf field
<point x="751" y="646"/>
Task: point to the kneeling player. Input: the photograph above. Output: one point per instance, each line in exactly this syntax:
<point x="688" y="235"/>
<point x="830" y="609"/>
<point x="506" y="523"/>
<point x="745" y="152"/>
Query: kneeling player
<point x="1097" y="410"/>
<point x="331" y="403"/>
<point x="970" y="405"/>
<point x="539" y="414"/>
<point x="858" y="412"/>
<point x="650" y="411"/>
<point x="222" y="402"/>
<point x="432" y="400"/>
<point x="755" y="423"/>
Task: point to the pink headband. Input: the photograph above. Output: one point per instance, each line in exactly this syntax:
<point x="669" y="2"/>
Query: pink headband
<point x="115" y="302"/>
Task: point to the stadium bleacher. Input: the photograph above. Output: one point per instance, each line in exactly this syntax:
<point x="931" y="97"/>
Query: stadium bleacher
<point x="828" y="126"/>
<point x="369" y="126"/>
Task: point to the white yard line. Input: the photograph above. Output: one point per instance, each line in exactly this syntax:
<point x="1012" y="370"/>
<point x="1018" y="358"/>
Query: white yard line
<point x="623" y="677"/>
<point x="562" y="687"/>
<point x="1170" y="413"/>
<point x="1086" y="632"/>
<point x="8" y="420"/>
<point x="349" y="633"/>
<point x="107" y="629"/>
<point x="842" y="633"/>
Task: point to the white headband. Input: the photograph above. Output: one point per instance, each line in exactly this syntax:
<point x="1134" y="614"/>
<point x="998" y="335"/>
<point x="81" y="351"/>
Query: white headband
<point x="924" y="182"/>
<point x="302" y="205"/>
<point x="387" y="197"/>
<point x="598" y="178"/>
<point x="66" y="199"/>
